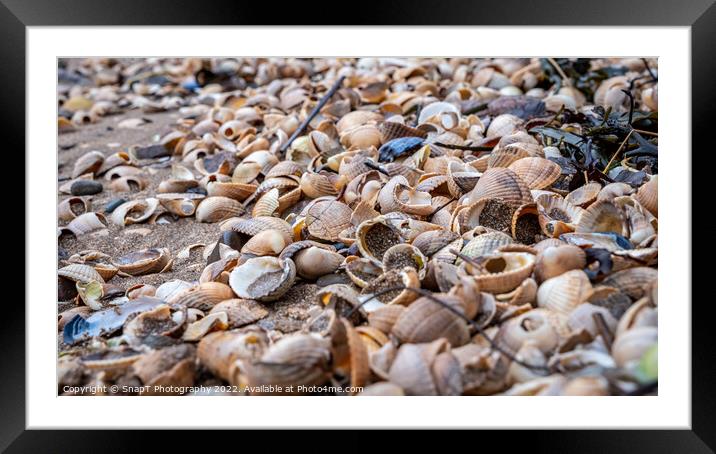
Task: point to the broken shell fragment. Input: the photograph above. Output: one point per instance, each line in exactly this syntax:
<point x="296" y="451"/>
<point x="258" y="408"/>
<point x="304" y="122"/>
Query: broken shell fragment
<point x="146" y="261"/>
<point x="263" y="278"/>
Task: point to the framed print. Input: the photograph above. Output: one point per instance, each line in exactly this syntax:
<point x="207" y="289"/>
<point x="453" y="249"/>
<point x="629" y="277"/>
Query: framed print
<point x="439" y="217"/>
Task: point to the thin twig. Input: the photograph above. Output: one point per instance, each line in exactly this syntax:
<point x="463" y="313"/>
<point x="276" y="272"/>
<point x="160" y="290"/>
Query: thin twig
<point x="567" y="81"/>
<point x="616" y="153"/>
<point x="604" y="330"/>
<point x="463" y="147"/>
<point x="651" y="73"/>
<point x="374" y="166"/>
<point x="313" y="113"/>
<point x="648" y="133"/>
<point x="477" y="327"/>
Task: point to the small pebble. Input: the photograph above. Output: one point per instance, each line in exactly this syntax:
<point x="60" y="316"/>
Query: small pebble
<point x="113" y="204"/>
<point x="85" y="187"/>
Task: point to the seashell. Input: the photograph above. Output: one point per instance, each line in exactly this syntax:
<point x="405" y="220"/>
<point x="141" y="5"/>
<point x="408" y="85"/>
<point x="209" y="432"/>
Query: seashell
<point x="613" y="190"/>
<point x="375" y="236"/>
<point x="106" y="321"/>
<point x="217" y="321"/>
<point x="525" y="224"/>
<point x="130" y="183"/>
<point x="240" y="312"/>
<point x="402" y="255"/>
<point x="647" y="196"/>
<point x="121" y="171"/>
<point x="533" y="327"/>
<point x="492" y="213"/>
<point x="633" y="281"/>
<point x="537" y="173"/>
<point x="503" y="125"/>
<point x="267" y="242"/>
<point x="485" y="244"/>
<point x="169" y="289"/>
<point x="182" y="205"/>
<point x="385" y="317"/>
<point x="425" y="320"/>
<point x="410" y="201"/>
<point x="585" y="195"/>
<point x="563" y="293"/>
<point x="525" y="293"/>
<point x="88" y="163"/>
<point x="407" y="277"/>
<point x="382" y="388"/>
<point x="500" y="183"/>
<point x="582" y="318"/>
<point x="230" y="189"/>
<point x="432" y="241"/>
<point x="202" y="296"/>
<point x="504" y="157"/>
<point x="166" y="371"/>
<point x="219" y="351"/>
<point x="586" y="386"/>
<point x="72" y="207"/>
<point x="320" y="184"/>
<point x="361" y="271"/>
<point x="87" y="223"/>
<point x="135" y="211"/>
<point x="393" y="130"/>
<point x="139" y="290"/>
<point x="641" y="313"/>
<point x="79" y="273"/>
<point x="557" y="216"/>
<point x="602" y="216"/>
<point x="263" y="278"/>
<point x="314" y="262"/>
<point x="350" y="357"/>
<point x="174" y="186"/>
<point x="216" y="209"/>
<point x="414" y="367"/>
<point x="364" y="136"/>
<point x="254" y="226"/>
<point x="327" y="219"/>
<point x="609" y="94"/>
<point x="502" y="272"/>
<point x="267" y="204"/>
<point x="154" y="323"/>
<point x="145" y="261"/>
<point x="555" y="261"/>
<point x="629" y="347"/>
<point x="300" y="360"/>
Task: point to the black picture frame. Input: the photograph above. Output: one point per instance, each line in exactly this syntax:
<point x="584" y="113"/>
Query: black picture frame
<point x="16" y="15"/>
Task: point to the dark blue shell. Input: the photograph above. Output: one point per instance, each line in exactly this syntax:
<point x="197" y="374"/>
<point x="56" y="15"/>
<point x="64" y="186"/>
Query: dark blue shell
<point x="398" y="147"/>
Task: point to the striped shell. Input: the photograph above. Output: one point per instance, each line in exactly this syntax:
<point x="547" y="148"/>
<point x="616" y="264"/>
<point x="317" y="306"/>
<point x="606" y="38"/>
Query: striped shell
<point x="216" y="209"/>
<point x="602" y="216"/>
<point x="500" y="183"/>
<point x="503" y="272"/>
<point x="485" y="244"/>
<point x="182" y="205"/>
<point x="563" y="293"/>
<point x="203" y="296"/>
<point x="88" y="163"/>
<point x="425" y="321"/>
<point x="583" y="196"/>
<point x="648" y="196"/>
<point x="232" y="190"/>
<point x="327" y="219"/>
<point x="537" y="173"/>
<point x="253" y="226"/>
<point x="80" y="273"/>
<point x="87" y="223"/>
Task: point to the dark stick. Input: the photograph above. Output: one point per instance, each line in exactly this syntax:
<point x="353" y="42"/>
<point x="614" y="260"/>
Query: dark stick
<point x="374" y="166"/>
<point x="603" y="329"/>
<point x="651" y="73"/>
<point x="313" y="113"/>
<point x="477" y="327"/>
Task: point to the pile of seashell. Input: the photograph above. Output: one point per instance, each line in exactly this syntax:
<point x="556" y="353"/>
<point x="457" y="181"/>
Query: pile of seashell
<point x="446" y="250"/>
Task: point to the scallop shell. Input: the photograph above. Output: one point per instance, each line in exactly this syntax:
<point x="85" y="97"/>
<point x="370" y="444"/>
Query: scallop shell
<point x="361" y="271"/>
<point x="254" y="226"/>
<point x="217" y="321"/>
<point x="182" y="205"/>
<point x="415" y="365"/>
<point x="432" y="241"/>
<point x="504" y="157"/>
<point x="87" y="223"/>
<point x="203" y="296"/>
<point x="350" y="357"/>
<point x="314" y="262"/>
<point x="299" y="360"/>
<point x="425" y="321"/>
<point x="135" y="211"/>
<point x="537" y="173"/>
<point x="563" y="293"/>
<point x="267" y="242"/>
<point x="80" y="273"/>
<point x="503" y="272"/>
<point x="554" y="261"/>
<point x="410" y="201"/>
<point x="401" y="255"/>
<point x="557" y="216"/>
<point x="320" y="184"/>
<point x="602" y="216"/>
<point x="613" y="190"/>
<point x="72" y="207"/>
<point x="647" y="196"/>
<point x="503" y="125"/>
<point x="375" y="236"/>
<point x="500" y="183"/>
<point x="364" y="136"/>
<point x="385" y="317"/>
<point x="216" y="209"/>
<point x="176" y="186"/>
<point x="585" y="195"/>
<point x="629" y="347"/>
<point x="327" y="219"/>
<point x="285" y="168"/>
<point x="88" y="163"/>
<point x="534" y="327"/>
<point x="407" y="277"/>
<point x="263" y="278"/>
<point x="146" y="261"/>
<point x="633" y="281"/>
<point x="525" y="224"/>
<point x="485" y="244"/>
<point x="232" y="190"/>
<point x="267" y="204"/>
<point x="240" y="312"/>
<point x="393" y="130"/>
<point x="220" y="351"/>
<point x="489" y="212"/>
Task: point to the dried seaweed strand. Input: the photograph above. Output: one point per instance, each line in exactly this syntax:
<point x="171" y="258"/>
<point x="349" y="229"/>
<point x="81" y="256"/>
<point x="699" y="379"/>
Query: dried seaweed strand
<point x="473" y="323"/>
<point x="616" y="153"/>
<point x="567" y="81"/>
<point x="313" y="113"/>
